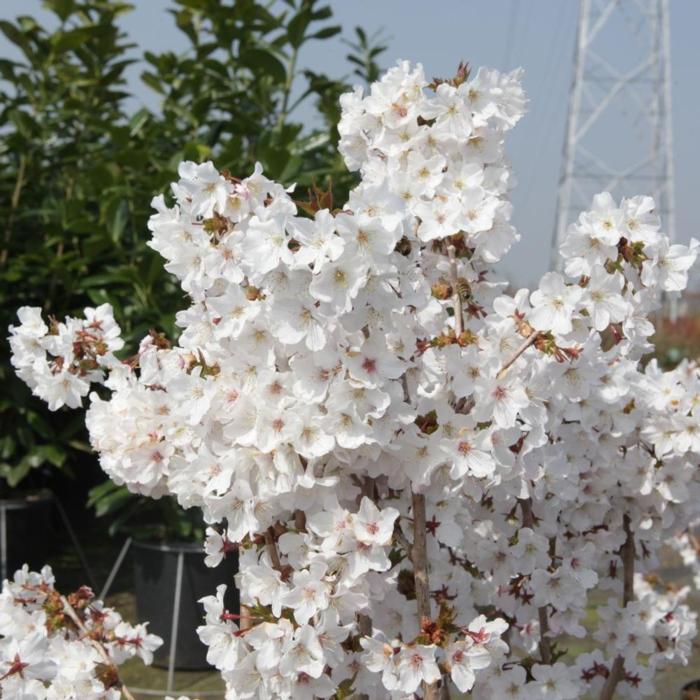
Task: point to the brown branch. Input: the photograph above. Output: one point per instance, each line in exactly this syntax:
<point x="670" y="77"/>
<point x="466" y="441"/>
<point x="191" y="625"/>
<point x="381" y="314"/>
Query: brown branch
<point x="364" y="622"/>
<point x="617" y="671"/>
<point x="525" y="345"/>
<point x="272" y="548"/>
<point x="246" y="619"/>
<point x="545" y="643"/>
<point x="627" y="554"/>
<point x="456" y="296"/>
<point x="69" y="610"/>
<point x="300" y="520"/>
<point x="420" y="575"/>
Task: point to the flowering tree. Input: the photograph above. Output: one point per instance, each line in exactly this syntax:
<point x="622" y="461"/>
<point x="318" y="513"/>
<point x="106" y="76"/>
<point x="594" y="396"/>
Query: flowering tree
<point x="425" y="478"/>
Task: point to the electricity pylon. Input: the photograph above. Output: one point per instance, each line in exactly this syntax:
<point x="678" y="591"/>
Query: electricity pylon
<point x="619" y="136"/>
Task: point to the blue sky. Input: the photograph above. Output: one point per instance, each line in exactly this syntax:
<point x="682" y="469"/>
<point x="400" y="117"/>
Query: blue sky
<point x="535" y="34"/>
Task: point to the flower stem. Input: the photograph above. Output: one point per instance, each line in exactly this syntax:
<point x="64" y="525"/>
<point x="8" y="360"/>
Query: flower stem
<point x="525" y="345"/>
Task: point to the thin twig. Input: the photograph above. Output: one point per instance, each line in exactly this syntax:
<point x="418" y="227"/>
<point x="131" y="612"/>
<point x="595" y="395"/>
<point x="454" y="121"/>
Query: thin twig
<point x="300" y="520"/>
<point x="70" y="611"/>
<point x="627" y="554"/>
<point x="525" y="345"/>
<point x="545" y="643"/>
<point x="272" y="548"/>
<point x="420" y="575"/>
<point x="456" y="296"/>
<point x="403" y="541"/>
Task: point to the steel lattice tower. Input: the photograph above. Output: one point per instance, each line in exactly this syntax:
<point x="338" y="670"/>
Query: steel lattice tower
<point x="619" y="136"/>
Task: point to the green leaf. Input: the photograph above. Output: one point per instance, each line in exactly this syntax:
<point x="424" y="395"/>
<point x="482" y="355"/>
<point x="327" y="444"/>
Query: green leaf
<point x="138" y="121"/>
<point x="111" y="499"/>
<point x="14" y="475"/>
<point x="322" y="13"/>
<point x="24" y="123"/>
<point x="52" y="454"/>
<point x="40" y="424"/>
<point x="16" y="36"/>
<point x="7" y="69"/>
<point x="72" y="39"/>
<point x="153" y="82"/>
<point x="327" y="33"/>
<point x="297" y="27"/>
<point x="260" y="59"/>
<point x="62" y="8"/>
<point x="119" y="219"/>
<point x="97" y="492"/>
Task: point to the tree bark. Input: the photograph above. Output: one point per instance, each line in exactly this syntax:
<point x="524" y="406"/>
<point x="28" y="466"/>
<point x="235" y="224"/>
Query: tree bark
<point x="627" y="554"/>
<point x="545" y="644"/>
<point x="420" y="576"/>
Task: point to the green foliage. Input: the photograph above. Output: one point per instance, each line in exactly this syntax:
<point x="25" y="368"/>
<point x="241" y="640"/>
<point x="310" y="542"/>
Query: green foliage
<point x="144" y="518"/>
<point x="78" y="169"/>
<point x="364" y="52"/>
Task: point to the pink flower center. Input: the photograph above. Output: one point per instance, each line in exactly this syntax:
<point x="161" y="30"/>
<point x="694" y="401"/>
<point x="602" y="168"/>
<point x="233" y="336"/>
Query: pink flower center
<point x="369" y="365"/>
<point x="372" y="528"/>
<point x="464" y="447"/>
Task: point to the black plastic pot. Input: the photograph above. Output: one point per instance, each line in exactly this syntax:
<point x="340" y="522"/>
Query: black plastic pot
<point x="25" y="523"/>
<point x="691" y="691"/>
<point x="155" y="580"/>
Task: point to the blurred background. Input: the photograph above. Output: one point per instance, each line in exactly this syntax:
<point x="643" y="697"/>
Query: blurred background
<point x="101" y="100"/>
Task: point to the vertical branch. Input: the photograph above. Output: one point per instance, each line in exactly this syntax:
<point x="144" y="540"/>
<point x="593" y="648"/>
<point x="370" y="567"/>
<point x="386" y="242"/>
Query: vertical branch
<point x="456" y="296"/>
<point x="420" y="558"/>
<point x="364" y="622"/>
<point x="271" y="547"/>
<point x="545" y="647"/>
<point x="627" y="554"/>
<point x="420" y="575"/>
<point x="545" y="644"/>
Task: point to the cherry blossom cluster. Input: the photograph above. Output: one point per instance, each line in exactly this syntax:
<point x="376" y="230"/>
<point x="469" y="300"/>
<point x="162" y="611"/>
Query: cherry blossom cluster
<point x="425" y="476"/>
<point x="55" y="647"/>
<point x="59" y="361"/>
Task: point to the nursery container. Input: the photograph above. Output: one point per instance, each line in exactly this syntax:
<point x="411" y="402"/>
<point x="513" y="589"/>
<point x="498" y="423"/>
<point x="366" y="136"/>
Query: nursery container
<point x="25" y="523"/>
<point x="155" y="581"/>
